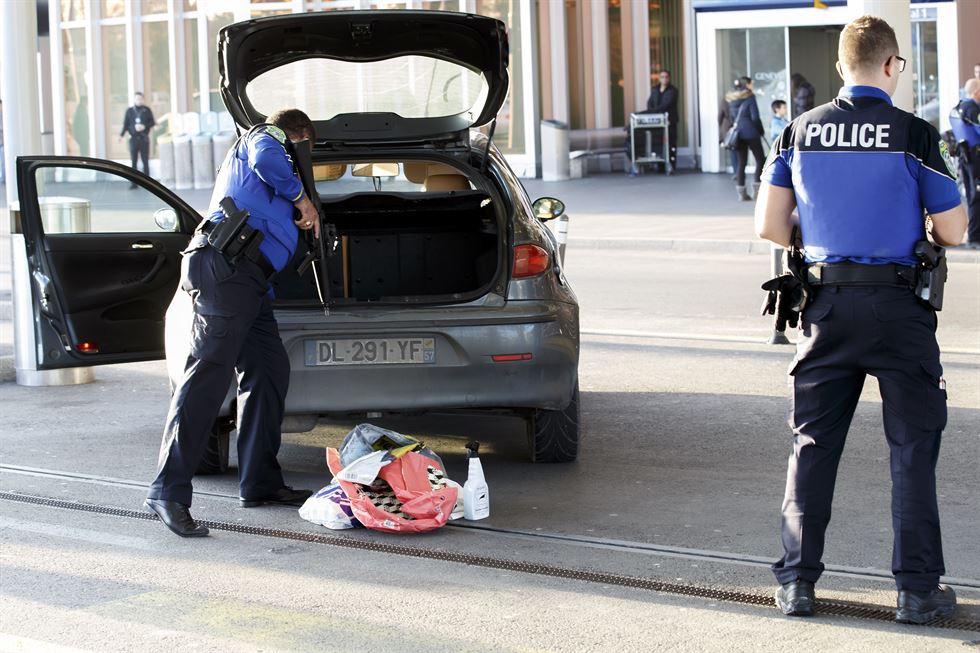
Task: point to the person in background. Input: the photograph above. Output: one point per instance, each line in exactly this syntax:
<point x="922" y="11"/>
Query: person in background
<point x="137" y="123"/>
<point x="779" y="119"/>
<point x="663" y="99"/>
<point x="724" y="124"/>
<point x="976" y="75"/>
<point x="803" y="94"/>
<point x="969" y="157"/>
<point x="743" y="111"/>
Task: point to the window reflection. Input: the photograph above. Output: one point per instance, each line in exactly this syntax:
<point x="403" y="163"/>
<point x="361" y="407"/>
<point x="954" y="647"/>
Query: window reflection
<point x="76" y="92"/>
<point x="117" y="98"/>
<point x="80" y="201"/>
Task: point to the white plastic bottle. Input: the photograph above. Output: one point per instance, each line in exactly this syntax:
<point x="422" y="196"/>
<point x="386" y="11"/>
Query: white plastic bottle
<point x="476" y="494"/>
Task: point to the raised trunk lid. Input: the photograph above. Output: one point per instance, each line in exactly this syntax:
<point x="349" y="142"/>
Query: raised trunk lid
<point x="368" y="76"/>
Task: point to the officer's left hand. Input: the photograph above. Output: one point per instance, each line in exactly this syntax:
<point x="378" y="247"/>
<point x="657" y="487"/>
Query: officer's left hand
<point x="308" y="218"/>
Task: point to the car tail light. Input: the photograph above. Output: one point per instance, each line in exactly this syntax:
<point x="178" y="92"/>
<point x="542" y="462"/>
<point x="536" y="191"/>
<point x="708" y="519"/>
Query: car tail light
<point x="88" y="348"/>
<point x="508" y="358"/>
<point x="529" y="260"/>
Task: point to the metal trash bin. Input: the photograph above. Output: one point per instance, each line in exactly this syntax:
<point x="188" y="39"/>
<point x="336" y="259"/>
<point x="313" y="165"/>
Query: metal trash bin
<point x="202" y="161"/>
<point x="165" y="149"/>
<point x="554" y="151"/>
<point x="220" y="144"/>
<point x="58" y="215"/>
<point x="65" y="215"/>
<point x="183" y="163"/>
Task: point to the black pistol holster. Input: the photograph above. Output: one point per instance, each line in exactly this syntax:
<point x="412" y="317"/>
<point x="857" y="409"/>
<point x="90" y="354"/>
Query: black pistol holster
<point x="788" y="294"/>
<point x="931" y="275"/>
<point x="232" y="236"/>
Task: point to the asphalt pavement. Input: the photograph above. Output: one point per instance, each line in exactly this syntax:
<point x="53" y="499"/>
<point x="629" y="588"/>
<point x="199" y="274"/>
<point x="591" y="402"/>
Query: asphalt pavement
<point x="679" y="481"/>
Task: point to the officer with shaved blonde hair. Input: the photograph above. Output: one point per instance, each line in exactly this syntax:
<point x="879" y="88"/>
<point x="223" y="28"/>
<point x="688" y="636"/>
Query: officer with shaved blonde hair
<point x="868" y="181"/>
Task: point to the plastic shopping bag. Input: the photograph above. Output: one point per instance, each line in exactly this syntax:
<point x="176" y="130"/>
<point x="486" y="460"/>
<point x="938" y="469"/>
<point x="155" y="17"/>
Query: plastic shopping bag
<point x="329" y="507"/>
<point x="411" y="494"/>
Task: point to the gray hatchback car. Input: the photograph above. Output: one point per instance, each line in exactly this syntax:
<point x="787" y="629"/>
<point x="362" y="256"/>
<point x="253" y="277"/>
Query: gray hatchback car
<point x="441" y="289"/>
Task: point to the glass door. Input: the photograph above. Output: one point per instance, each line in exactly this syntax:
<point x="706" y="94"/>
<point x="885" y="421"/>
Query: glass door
<point x="760" y="54"/>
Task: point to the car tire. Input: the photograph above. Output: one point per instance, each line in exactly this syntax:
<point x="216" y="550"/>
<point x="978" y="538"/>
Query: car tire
<point x="553" y="435"/>
<point x="216" y="451"/>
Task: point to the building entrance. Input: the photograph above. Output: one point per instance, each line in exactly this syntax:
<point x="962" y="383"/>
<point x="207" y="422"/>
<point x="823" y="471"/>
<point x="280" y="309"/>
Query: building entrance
<point x="813" y="55"/>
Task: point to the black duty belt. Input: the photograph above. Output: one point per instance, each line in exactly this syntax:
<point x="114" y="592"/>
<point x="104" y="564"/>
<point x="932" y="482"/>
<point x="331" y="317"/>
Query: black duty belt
<point x="255" y="256"/>
<point x="857" y="274"/>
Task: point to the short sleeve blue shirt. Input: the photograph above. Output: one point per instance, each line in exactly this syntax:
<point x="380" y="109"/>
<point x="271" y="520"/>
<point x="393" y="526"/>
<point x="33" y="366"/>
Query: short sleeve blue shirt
<point x="863" y="173"/>
<point x="258" y="175"/>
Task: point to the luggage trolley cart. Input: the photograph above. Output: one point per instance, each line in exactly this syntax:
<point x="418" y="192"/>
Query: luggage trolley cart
<point x="646" y="124"/>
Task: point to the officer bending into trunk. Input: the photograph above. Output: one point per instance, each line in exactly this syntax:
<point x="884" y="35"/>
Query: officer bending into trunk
<point x="226" y="270"/>
<point x="862" y="173"/>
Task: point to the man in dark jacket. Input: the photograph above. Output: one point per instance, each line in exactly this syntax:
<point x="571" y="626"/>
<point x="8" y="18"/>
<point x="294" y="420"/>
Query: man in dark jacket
<point x="663" y="99"/>
<point x="138" y="122"/>
<point x="803" y="94"/>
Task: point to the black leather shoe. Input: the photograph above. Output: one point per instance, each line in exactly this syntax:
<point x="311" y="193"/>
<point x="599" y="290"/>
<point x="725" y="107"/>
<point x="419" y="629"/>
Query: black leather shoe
<point x="284" y="496"/>
<point x="176" y="517"/>
<point x="922" y="607"/>
<point x="796" y="598"/>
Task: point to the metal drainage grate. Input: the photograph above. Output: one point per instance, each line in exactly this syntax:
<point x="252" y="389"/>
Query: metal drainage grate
<point x="825" y="607"/>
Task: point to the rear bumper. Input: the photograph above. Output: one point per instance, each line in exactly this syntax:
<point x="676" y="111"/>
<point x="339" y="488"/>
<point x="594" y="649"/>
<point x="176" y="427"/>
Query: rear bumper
<point x="463" y="376"/>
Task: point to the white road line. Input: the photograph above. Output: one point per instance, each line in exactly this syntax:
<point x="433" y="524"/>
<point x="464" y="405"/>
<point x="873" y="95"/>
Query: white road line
<point x="80" y="534"/>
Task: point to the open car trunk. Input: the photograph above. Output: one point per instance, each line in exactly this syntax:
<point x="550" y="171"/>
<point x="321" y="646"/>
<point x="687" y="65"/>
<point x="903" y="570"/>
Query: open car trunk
<point x="402" y="247"/>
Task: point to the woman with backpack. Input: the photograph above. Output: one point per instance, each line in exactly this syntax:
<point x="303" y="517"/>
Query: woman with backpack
<point x="743" y="111"/>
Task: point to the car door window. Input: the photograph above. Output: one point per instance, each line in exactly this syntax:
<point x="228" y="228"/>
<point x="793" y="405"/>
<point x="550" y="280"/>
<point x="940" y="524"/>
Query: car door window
<point x="75" y="200"/>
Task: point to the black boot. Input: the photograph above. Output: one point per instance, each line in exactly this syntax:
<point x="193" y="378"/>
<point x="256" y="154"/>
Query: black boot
<point x="742" y="195"/>
<point x="796" y="598"/>
<point x="922" y="607"/>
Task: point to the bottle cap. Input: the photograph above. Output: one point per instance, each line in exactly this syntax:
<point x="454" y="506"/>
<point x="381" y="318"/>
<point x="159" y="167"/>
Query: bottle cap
<point x="474" y="448"/>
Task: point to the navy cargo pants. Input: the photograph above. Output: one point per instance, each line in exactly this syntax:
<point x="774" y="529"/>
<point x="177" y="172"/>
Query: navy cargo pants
<point x="234" y="331"/>
<point x="847" y="333"/>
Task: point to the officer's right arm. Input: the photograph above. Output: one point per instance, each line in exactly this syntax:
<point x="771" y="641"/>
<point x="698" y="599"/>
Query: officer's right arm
<point x="774" y="216"/>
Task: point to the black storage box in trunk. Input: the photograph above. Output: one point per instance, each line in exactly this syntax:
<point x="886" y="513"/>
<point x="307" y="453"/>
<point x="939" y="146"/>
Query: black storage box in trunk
<point x="399" y="245"/>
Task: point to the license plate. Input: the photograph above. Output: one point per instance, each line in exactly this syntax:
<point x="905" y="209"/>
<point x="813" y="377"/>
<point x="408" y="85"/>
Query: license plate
<point x="370" y="351"/>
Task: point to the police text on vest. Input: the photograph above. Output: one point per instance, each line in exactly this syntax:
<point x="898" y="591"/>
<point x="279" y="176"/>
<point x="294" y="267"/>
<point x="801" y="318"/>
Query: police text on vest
<point x="831" y="134"/>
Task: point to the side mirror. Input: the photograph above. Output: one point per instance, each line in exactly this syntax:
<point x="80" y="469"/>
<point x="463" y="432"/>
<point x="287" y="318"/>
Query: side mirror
<point x="548" y="208"/>
<point x="166" y="219"/>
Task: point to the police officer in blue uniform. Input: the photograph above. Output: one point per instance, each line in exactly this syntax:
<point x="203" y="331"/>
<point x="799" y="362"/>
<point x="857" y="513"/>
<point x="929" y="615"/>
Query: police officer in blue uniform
<point x="862" y="174"/>
<point x="965" y="121"/>
<point x="234" y="330"/>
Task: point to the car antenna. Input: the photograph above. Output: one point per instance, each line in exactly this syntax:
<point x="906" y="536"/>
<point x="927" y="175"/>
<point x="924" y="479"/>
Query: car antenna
<point x="486" y="151"/>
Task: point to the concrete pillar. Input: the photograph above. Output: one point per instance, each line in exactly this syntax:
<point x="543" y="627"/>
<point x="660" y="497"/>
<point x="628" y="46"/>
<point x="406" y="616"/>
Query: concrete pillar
<point x="22" y="136"/>
<point x="21" y="109"/>
<point x="898" y="15"/>
<point x="968" y="27"/>
<point x="559" y="55"/>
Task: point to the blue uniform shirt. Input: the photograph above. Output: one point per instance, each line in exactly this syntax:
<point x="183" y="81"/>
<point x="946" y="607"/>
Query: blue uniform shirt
<point x="258" y="175"/>
<point x="863" y="171"/>
<point x="965" y="121"/>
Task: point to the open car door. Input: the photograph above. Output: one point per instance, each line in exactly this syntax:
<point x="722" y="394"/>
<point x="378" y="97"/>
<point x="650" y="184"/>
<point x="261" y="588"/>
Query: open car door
<point x="103" y="250"/>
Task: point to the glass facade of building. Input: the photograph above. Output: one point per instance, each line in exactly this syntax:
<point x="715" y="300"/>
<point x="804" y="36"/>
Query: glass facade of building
<point x="167" y="49"/>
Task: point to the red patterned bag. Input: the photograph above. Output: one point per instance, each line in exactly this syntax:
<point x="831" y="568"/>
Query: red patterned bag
<point x="410" y="494"/>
